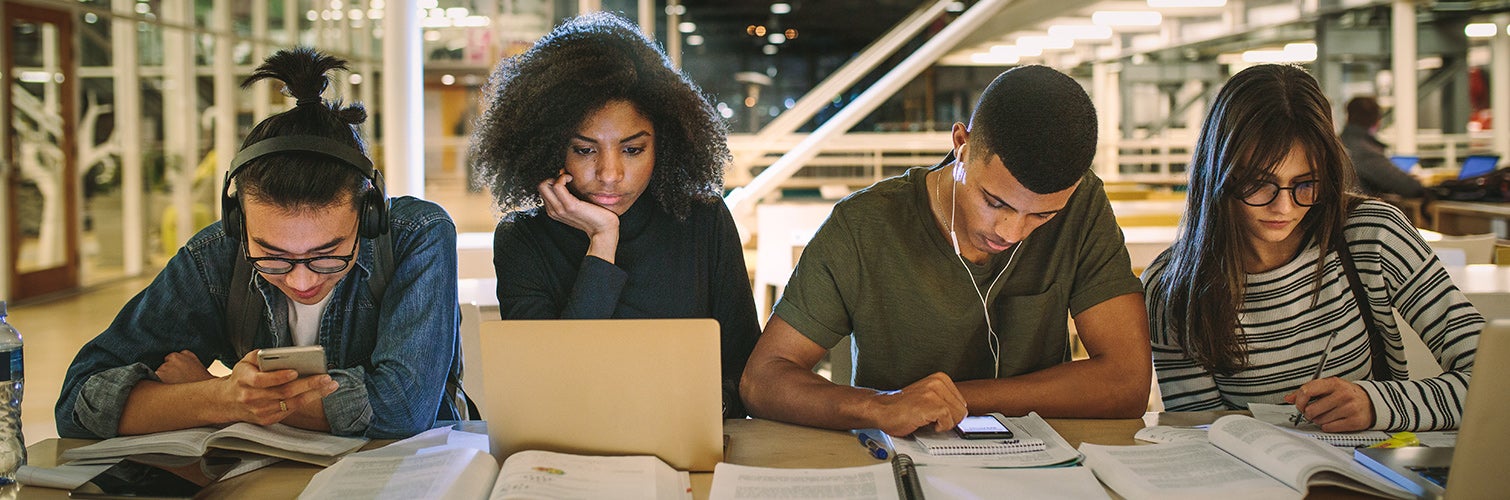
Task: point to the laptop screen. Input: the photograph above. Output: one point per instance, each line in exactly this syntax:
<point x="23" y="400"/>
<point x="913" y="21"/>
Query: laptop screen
<point x="1405" y="162"/>
<point x="1477" y="165"/>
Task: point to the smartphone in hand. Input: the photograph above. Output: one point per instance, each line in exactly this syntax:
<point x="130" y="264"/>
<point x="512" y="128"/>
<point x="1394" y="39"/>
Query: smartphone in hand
<point x="305" y="359"/>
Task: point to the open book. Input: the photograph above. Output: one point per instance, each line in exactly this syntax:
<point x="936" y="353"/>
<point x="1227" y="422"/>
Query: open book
<point x="896" y="479"/>
<point x="1245" y="458"/>
<point x="434" y="465"/>
<point x="275" y="440"/>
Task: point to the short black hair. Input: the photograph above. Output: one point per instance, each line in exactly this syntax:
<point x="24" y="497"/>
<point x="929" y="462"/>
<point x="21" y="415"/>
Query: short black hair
<point x="297" y="180"/>
<point x="1042" y="125"/>
<point x="1363" y="111"/>
<point x="535" y="101"/>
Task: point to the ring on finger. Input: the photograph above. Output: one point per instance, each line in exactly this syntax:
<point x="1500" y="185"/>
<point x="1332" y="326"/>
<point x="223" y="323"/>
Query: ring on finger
<point x="282" y="406"/>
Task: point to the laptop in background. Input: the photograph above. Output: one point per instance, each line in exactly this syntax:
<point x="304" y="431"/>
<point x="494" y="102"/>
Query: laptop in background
<point x="1475" y="468"/>
<point x="1476" y="165"/>
<point x="605" y="387"/>
<point x="1405" y="163"/>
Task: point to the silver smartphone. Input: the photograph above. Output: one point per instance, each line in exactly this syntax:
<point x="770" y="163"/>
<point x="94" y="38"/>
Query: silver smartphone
<point x="305" y="359"/>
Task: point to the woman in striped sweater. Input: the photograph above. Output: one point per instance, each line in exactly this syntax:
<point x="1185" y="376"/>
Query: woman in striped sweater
<point x="1244" y="302"/>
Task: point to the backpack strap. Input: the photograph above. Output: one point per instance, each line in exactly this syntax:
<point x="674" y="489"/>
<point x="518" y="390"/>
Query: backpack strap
<point x="1375" y="335"/>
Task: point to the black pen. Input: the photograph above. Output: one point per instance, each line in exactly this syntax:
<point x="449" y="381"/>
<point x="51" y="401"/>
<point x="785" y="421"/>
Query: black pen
<point x="1325" y="353"/>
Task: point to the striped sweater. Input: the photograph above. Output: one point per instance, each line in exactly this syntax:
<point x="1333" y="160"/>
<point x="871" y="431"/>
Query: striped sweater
<point x="1286" y="324"/>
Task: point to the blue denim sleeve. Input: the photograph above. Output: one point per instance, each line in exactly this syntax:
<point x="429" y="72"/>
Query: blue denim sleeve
<point x="398" y="394"/>
<point x="180" y="309"/>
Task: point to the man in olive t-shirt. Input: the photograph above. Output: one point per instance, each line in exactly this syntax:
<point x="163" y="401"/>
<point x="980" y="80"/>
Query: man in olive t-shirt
<point x="954" y="309"/>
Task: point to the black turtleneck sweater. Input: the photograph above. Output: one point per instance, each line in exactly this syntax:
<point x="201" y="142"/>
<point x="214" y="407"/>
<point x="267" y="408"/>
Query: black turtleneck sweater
<point x="665" y="268"/>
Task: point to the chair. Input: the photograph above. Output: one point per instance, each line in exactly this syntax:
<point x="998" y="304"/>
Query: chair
<point x="1476" y="248"/>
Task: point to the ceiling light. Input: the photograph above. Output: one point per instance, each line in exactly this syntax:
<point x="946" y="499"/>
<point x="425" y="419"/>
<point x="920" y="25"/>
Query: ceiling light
<point x="1080" y="32"/>
<point x="447" y="79"/>
<point x="1127" y="18"/>
<point x="686" y="27"/>
<point x="695" y="40"/>
<point x="1479" y="30"/>
<point x="1182" y="4"/>
<point x="776" y="39"/>
<point x="780" y="8"/>
<point x="955" y="7"/>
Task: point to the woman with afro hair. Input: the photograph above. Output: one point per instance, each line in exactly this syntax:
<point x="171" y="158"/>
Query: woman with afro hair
<point x="608" y="164"/>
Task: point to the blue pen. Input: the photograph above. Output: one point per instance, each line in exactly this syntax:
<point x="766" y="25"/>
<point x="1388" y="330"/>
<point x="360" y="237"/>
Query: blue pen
<point x="877" y="449"/>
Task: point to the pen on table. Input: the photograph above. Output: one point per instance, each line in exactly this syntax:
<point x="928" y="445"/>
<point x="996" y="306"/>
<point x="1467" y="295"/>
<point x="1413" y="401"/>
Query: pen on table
<point x="875" y="441"/>
<point x="1325" y="353"/>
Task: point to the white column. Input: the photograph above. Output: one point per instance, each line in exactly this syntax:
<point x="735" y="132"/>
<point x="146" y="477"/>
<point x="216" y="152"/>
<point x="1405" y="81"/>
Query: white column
<point x="586" y="6"/>
<point x="1107" y="93"/>
<point x="225" y="94"/>
<point x="128" y="112"/>
<point x="260" y="107"/>
<point x="180" y="125"/>
<point x="291" y="15"/>
<point x="647" y="17"/>
<point x="1499" y="91"/>
<point x="1403" y="64"/>
<point x="673" y="36"/>
<point x="367" y="90"/>
<point x="403" y="100"/>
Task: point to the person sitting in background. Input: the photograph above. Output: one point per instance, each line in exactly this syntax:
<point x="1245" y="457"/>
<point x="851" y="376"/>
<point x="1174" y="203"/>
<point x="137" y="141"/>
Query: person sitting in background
<point x="921" y="270"/>
<point x="306" y="231"/>
<point x="1375" y="172"/>
<point x="610" y="163"/>
<point x="1278" y="266"/>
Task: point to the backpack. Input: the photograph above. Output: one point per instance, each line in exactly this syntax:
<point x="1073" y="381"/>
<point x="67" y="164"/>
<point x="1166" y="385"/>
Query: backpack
<point x="1493" y="186"/>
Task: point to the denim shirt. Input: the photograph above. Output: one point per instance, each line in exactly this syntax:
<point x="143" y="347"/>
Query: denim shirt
<point x="391" y="362"/>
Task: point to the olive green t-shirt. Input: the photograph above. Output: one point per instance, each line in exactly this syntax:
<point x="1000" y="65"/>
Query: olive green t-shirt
<point x="879" y="269"/>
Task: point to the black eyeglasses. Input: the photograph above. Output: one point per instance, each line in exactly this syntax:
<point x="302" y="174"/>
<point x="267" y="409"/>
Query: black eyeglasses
<point x="325" y="264"/>
<point x="1264" y="192"/>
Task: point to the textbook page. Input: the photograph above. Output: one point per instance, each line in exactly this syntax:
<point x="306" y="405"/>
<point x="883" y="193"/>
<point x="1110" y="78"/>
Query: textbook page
<point x="1294" y="459"/>
<point x="454" y="472"/>
<point x="868" y="482"/>
<point x="1188" y="470"/>
<point x="1279" y="416"/>
<point x="276" y="440"/>
<point x="974" y="483"/>
<point x="538" y="474"/>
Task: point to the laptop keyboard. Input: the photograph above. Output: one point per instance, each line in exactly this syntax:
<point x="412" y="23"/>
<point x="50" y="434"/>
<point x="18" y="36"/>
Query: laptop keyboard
<point x="1437" y="475"/>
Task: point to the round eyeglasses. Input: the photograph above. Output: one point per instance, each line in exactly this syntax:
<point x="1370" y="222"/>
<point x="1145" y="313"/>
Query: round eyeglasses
<point x="1262" y="193"/>
<point x="324" y="264"/>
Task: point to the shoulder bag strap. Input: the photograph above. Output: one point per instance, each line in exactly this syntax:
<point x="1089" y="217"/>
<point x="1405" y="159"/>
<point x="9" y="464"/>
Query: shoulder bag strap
<point x="1375" y="336"/>
<point x="243" y="311"/>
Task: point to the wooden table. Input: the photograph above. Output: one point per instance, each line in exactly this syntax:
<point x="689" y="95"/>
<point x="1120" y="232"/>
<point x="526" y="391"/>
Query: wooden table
<point x="756" y="442"/>
<point x="1470" y="217"/>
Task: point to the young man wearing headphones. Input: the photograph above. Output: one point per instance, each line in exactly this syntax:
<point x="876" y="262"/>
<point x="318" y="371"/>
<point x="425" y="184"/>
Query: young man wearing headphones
<point x="955" y="282"/>
<point x="309" y="251"/>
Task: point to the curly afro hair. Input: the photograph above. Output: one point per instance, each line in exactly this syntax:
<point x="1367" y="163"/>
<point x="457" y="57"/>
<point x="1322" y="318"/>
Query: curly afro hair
<point x="535" y="101"/>
<point x="1042" y="125"/>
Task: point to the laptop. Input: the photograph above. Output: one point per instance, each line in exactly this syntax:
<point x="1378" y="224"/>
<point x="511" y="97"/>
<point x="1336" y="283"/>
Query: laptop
<point x="1405" y="163"/>
<point x="1476" y="467"/>
<point x="605" y="387"/>
<point x="1476" y="165"/>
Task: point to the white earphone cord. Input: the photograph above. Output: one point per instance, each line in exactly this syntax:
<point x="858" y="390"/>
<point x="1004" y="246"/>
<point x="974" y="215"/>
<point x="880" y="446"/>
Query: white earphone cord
<point x="992" y="340"/>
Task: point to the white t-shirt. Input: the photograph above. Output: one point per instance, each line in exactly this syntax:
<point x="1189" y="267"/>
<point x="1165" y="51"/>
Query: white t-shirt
<point x="304" y="320"/>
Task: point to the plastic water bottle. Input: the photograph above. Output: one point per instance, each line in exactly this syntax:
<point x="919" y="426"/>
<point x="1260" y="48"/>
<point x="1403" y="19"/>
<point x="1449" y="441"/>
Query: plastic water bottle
<point x="12" y="445"/>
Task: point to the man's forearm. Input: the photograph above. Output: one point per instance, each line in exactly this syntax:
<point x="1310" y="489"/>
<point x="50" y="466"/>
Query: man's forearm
<point x="780" y="390"/>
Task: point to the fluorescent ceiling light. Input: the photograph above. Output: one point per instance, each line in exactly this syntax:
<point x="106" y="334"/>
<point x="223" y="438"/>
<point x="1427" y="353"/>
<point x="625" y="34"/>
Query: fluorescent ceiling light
<point x="1292" y="53"/>
<point x="1080" y="32"/>
<point x="1479" y="30"/>
<point x="1181" y="4"/>
<point x="686" y="27"/>
<point x="695" y="40"/>
<point x="781" y="8"/>
<point x="990" y="58"/>
<point x="1127" y="18"/>
<point x="1043" y="43"/>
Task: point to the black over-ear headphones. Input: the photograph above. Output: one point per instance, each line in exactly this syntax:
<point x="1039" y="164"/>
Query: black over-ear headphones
<point x="372" y="206"/>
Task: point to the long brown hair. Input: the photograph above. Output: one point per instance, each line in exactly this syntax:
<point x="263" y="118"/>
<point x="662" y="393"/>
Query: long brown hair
<point x="1257" y="117"/>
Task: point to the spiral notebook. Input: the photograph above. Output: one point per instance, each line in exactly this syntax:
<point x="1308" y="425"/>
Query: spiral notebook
<point x="949" y="443"/>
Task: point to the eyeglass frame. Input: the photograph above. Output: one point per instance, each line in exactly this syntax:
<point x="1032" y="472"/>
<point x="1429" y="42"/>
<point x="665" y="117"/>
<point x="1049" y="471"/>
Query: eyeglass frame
<point x="293" y="263"/>
<point x="1277" y="188"/>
